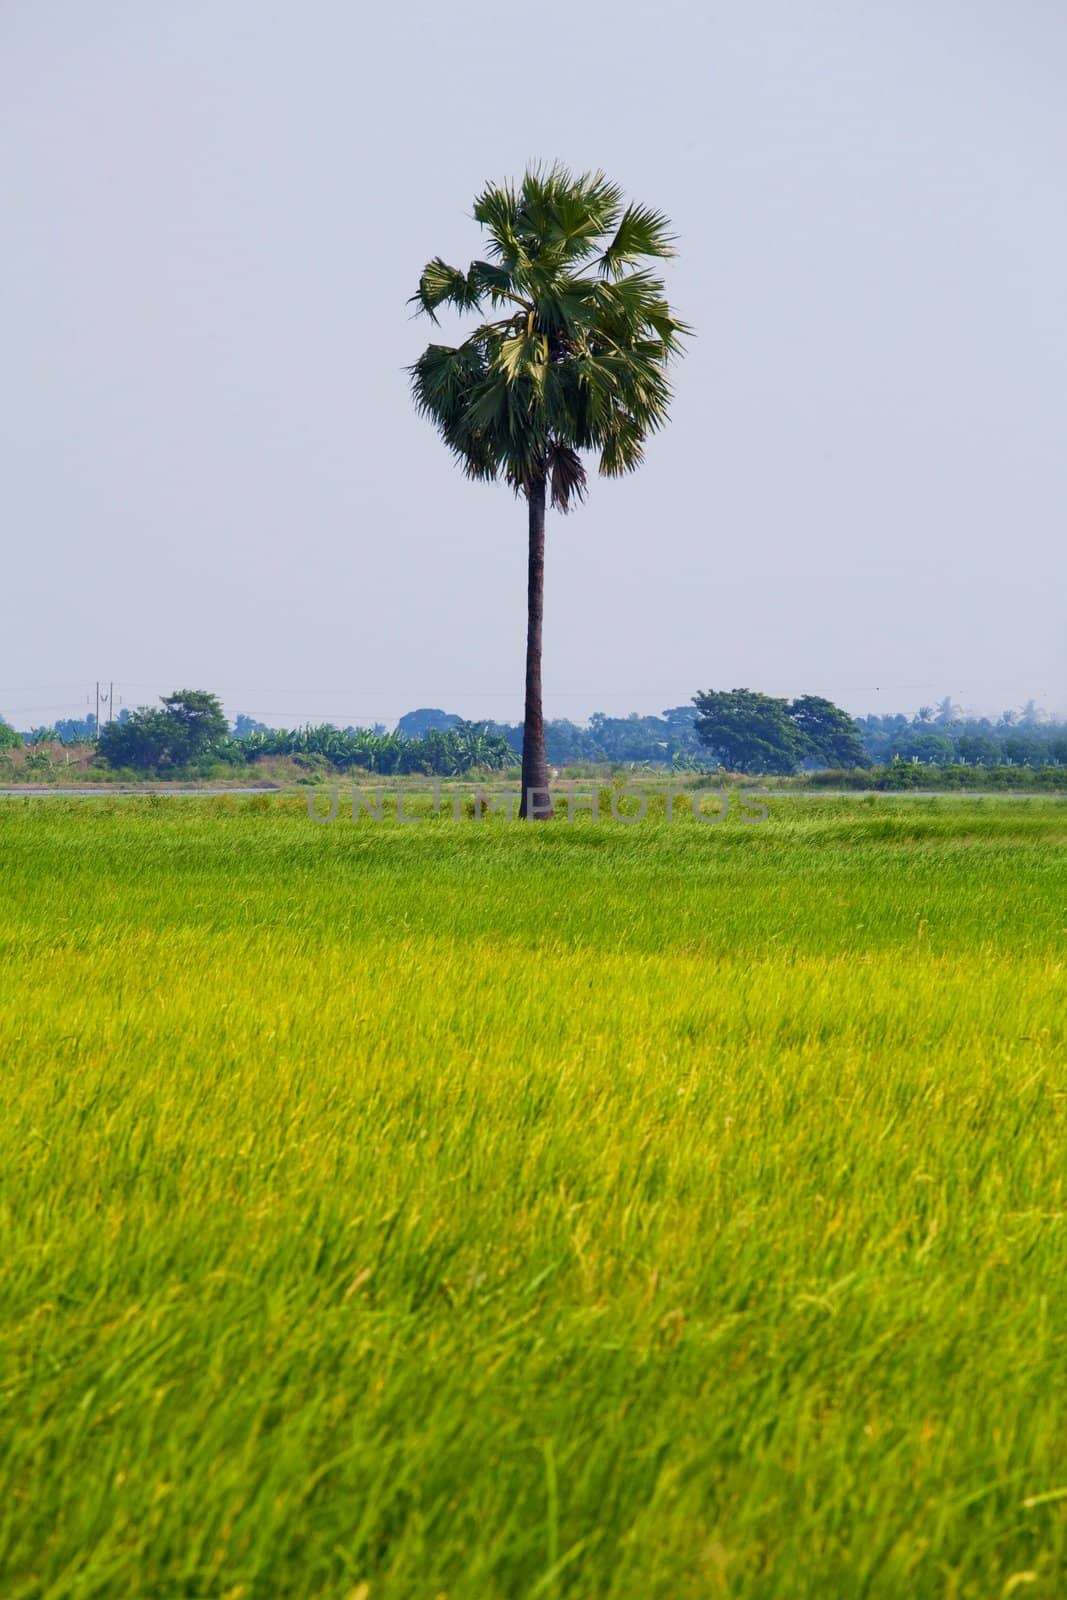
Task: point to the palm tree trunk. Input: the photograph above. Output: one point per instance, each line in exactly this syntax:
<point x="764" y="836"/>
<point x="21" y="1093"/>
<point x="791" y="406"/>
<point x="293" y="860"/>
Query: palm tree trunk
<point x="536" y="803"/>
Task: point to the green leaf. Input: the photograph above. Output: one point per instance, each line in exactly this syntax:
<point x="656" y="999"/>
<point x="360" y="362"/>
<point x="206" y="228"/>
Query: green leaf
<point x="441" y="284"/>
<point x="641" y="232"/>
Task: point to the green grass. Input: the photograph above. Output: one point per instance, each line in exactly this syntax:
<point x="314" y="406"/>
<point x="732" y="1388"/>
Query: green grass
<point x="482" y="1211"/>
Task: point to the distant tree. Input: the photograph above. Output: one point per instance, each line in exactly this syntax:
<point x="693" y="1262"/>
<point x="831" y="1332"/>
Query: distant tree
<point x="144" y="741"/>
<point x="978" y="749"/>
<point x="243" y="726"/>
<point x="878" y="732"/>
<point x="1025" y="749"/>
<point x="632" y="738"/>
<point x="9" y="739"/>
<point x="681" y="721"/>
<point x="190" y="726"/>
<point x="756" y="733"/>
<point x="201" y="717"/>
<point x="76" y="730"/>
<point x="564" y="741"/>
<point x="830" y="736"/>
<point x="935" y="748"/>
<point x="417" y="724"/>
<point x="574" y="357"/>
<point x="747" y="731"/>
<point x="616" y="740"/>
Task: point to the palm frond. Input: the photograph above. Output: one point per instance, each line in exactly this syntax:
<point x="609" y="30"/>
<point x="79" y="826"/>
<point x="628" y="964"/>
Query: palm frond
<point x="441" y="285"/>
<point x="641" y="232"/>
<point x="524" y="355"/>
<point x="621" y="450"/>
<point x="496" y="282"/>
<point x="497" y="209"/>
<point x="566" y="475"/>
<point x="561" y="218"/>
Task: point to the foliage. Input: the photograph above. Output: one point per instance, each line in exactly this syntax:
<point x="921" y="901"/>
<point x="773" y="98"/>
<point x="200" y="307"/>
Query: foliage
<point x="752" y="732"/>
<point x="578" y="359"/>
<point x="946" y="735"/>
<point x="9" y="739"/>
<point x="830" y="736"/>
<point x="79" y="730"/>
<point x="748" y="731"/>
<point x="669" y="740"/>
<point x="191" y="727"/>
<point x="416" y="724"/>
<point x="447" y="752"/>
<point x="652" y="1211"/>
<point x="145" y="741"/>
<point x="904" y="775"/>
<point x="740" y="726"/>
<point x="200" y="715"/>
<point x="244" y="725"/>
<point x="943" y="738"/>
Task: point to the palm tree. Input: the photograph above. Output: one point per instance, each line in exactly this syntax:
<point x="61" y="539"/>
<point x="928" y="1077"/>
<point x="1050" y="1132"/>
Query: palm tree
<point x="577" y="360"/>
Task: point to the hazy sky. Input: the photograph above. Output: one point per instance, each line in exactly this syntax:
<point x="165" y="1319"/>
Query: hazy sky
<point x="210" y="471"/>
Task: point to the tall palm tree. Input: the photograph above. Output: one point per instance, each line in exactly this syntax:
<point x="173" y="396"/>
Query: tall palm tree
<point x="576" y="360"/>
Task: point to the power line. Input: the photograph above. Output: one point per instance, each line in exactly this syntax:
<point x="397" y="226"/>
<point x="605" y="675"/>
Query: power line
<point x="332" y="689"/>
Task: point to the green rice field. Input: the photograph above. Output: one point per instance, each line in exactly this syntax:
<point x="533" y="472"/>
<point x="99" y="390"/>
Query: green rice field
<point x="478" y="1211"/>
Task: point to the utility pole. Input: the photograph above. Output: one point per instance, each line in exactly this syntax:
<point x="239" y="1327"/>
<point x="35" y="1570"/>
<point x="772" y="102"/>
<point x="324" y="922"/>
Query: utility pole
<point x="110" y="702"/>
<point x="96" y="728"/>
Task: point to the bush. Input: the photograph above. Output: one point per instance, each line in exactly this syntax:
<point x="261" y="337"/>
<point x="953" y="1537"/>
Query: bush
<point x="901" y="776"/>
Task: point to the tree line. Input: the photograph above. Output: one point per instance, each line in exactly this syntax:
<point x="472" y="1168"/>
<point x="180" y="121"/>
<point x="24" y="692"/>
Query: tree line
<point x="945" y="735"/>
<point x="739" y="729"/>
<point x="189" y="731"/>
<point x="748" y="732"/>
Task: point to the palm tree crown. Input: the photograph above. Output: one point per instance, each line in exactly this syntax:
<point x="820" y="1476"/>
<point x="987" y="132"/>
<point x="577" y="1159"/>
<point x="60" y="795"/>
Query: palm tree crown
<point x="577" y="360"/>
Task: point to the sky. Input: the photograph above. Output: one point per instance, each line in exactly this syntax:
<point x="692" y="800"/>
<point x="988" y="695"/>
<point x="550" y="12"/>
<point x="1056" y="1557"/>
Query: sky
<point x="211" y="473"/>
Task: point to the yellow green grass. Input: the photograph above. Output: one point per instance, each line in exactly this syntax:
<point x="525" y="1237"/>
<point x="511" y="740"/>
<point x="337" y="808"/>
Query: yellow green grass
<point x="567" y="1211"/>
